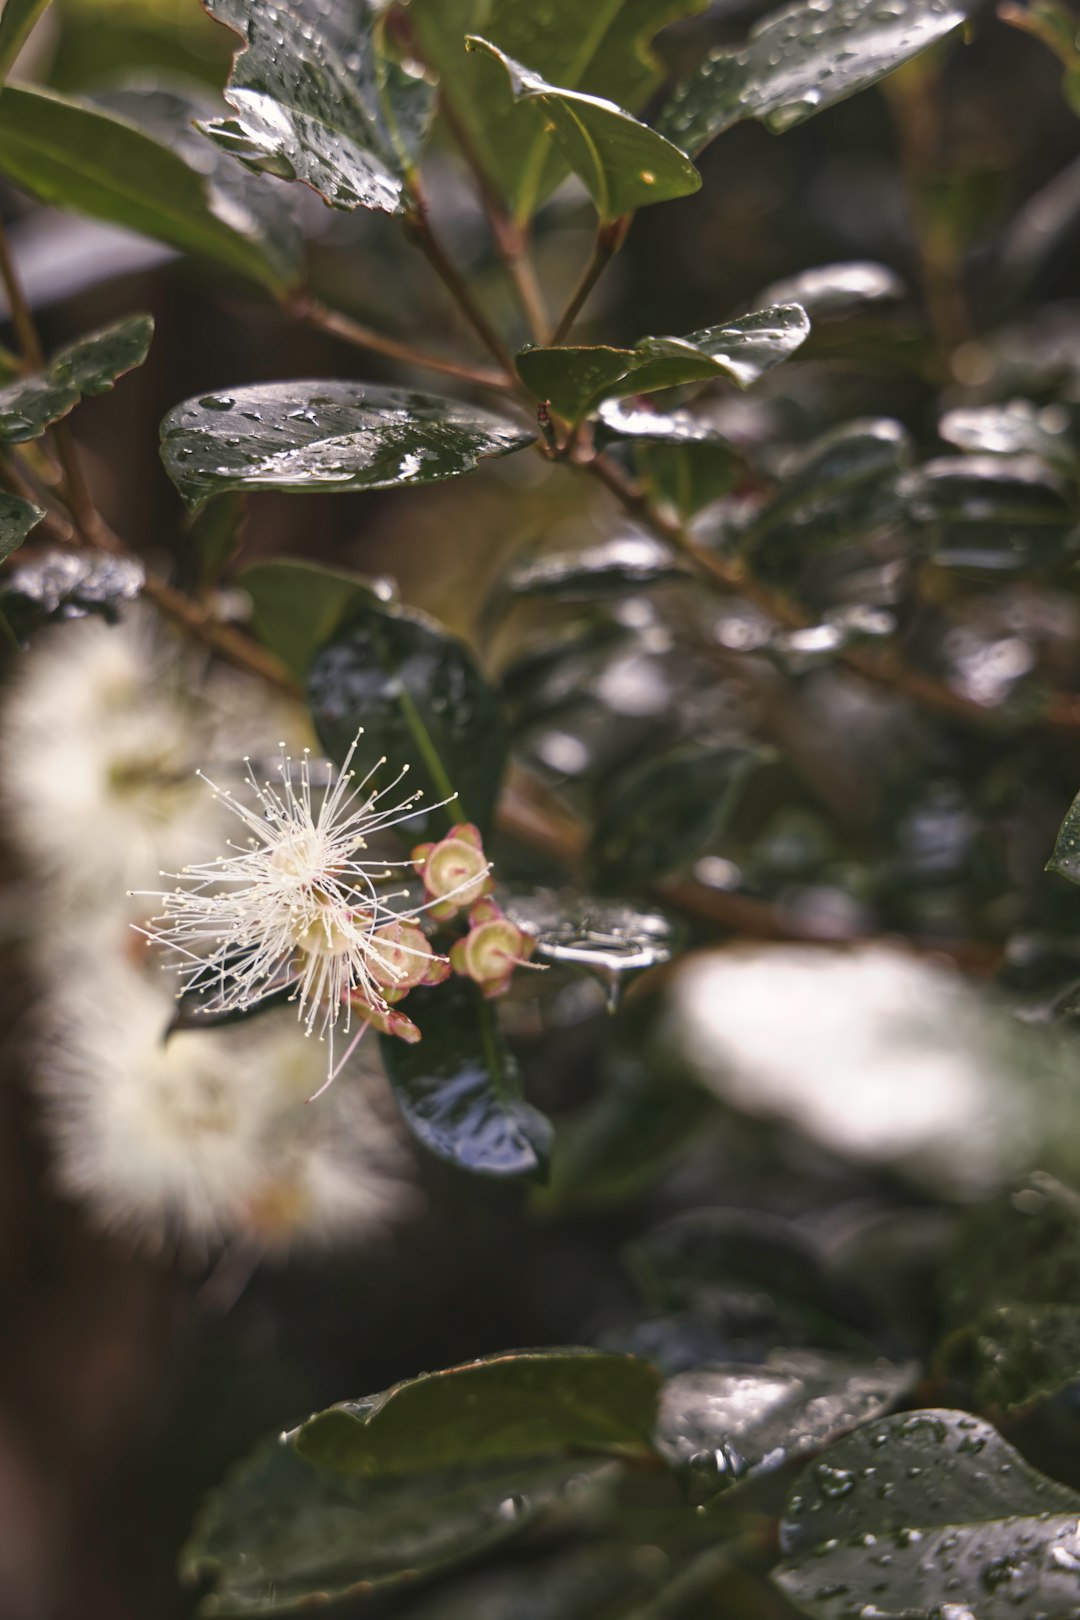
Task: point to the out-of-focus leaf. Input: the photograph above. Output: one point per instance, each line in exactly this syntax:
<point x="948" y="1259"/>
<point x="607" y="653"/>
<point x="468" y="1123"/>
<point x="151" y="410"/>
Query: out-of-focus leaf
<point x="623" y="164"/>
<point x="422" y="702"/>
<point x="297" y="607"/>
<point x="721" y="1423"/>
<point x="601" y="52"/>
<point x="251" y="204"/>
<point x="1055" y="24"/>
<point x="575" y="380"/>
<point x="522" y="1404"/>
<point x="993" y="515"/>
<point x="68" y="585"/>
<point x="90" y="366"/>
<point x="609" y="569"/>
<point x="1018" y="428"/>
<point x="74" y="155"/>
<point x="323" y="436"/>
<point x="16" y="20"/>
<point x="685" y="459"/>
<point x="318" y="99"/>
<point x="281" y="1532"/>
<point x="1065" y="860"/>
<point x="607" y="937"/>
<point x="617" y="421"/>
<point x="838" y="289"/>
<point x="801" y="60"/>
<point x="459" y="1089"/>
<point x="662" y="812"/>
<point x="1015" y="1353"/>
<point x="17" y="518"/>
<point x="923" y="1514"/>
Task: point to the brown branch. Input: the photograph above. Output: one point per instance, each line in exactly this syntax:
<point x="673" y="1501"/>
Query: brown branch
<point x="313" y="313"/>
<point x="609" y="239"/>
<point x="419" y="229"/>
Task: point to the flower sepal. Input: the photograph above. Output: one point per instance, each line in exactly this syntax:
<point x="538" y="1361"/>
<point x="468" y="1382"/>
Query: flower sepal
<point x="492" y="949"/>
<point x="385" y="1020"/>
<point x="455" y="872"/>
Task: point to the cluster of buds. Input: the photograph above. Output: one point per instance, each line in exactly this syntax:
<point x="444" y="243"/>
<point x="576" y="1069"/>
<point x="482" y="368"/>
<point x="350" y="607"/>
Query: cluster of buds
<point x="402" y="958"/>
<point x="457" y="877"/>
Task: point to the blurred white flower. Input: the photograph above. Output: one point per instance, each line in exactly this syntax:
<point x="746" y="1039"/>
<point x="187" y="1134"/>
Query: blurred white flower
<point x="297" y="904"/>
<point x="205" y="1139"/>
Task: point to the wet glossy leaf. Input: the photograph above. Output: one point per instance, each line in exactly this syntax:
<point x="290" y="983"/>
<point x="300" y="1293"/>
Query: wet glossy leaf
<point x="660" y="813"/>
<point x="422" y="701"/>
<point x="923" y="1515"/>
<point x="685" y="459"/>
<point x="90" y="366"/>
<point x="1065" y="860"/>
<point x="575" y="380"/>
<point x="1014" y="1354"/>
<point x="323" y="436"/>
<point x="623" y="164"/>
<point x="68" y="585"/>
<point x="608" y="937"/>
<point x="28" y="406"/>
<point x="459" y="1089"/>
<point x="318" y="99"/>
<point x="74" y="155"/>
<point x="608" y="569"/>
<point x="296" y="607"/>
<point x="993" y="515"/>
<point x="838" y="289"/>
<point x="17" y="519"/>
<point x="722" y="1423"/>
<point x="601" y="52"/>
<point x="282" y="1532"/>
<point x="248" y="202"/>
<point x="523" y="1404"/>
<point x="801" y="60"/>
<point x="16" y="20"/>
<point x="1015" y="429"/>
<point x="637" y="424"/>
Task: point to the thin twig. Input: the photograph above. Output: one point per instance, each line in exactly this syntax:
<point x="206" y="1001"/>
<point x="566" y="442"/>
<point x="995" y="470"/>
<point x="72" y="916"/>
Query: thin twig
<point x="609" y="239"/>
<point x="309" y="310"/>
<point x="419" y="229"/>
<point x="33" y="355"/>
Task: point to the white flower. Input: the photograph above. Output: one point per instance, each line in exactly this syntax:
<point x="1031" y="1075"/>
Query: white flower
<point x="205" y="1139"/>
<point x="297" y="904"/>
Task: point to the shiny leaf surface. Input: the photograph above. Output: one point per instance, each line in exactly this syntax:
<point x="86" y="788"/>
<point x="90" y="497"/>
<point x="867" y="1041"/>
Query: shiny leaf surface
<point x="523" y="1404"/>
<point x="1014" y="429"/>
<point x="1065" y="860"/>
<point x="68" y="585"/>
<point x="623" y="164"/>
<point x="801" y="60"/>
<point x="90" y="366"/>
<point x="576" y="380"/>
<point x="17" y="519"/>
<point x="607" y="569"/>
<point x="323" y="436"/>
<point x="923" y="1514"/>
<point x="993" y="515"/>
<point x="459" y="1090"/>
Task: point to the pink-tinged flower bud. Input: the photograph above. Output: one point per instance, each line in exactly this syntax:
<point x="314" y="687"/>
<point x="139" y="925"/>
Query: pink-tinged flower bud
<point x="456" y="872"/>
<point x="401" y="958"/>
<point x="385" y="1020"/>
<point x="491" y="950"/>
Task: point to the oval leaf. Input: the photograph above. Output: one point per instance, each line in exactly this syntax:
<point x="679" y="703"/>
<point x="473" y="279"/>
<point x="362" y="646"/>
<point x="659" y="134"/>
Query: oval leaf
<point x="17" y="518"/>
<point x="297" y="607"/>
<point x="324" y="437"/>
<point x="90" y="366"/>
<point x="526" y="1404"/>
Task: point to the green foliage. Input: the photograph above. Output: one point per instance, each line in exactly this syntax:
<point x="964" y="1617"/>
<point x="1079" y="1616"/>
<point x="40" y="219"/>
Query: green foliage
<point x="16" y="20"/>
<point x="90" y="366"/>
<point x="17" y="519"/>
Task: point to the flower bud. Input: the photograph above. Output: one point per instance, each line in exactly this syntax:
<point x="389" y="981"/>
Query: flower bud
<point x="491" y="950"/>
<point x="401" y="958"/>
<point x="385" y="1020"/>
<point x="456" y="872"/>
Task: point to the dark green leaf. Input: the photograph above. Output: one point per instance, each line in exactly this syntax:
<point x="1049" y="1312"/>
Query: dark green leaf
<point x="925" y="1515"/>
<point x="520" y="1405"/>
<point x="16" y="20"/>
<point x="724" y="1422"/>
<point x="282" y="1532"/>
<point x="459" y="1090"/>
<point x="323" y="436"/>
<point x="1015" y="1353"/>
<point x="318" y="99"/>
<point x="90" y="366"/>
<point x="17" y="518"/>
<point x="600" y="51"/>
<point x="1065" y="860"/>
<point x="575" y="380"/>
<point x="801" y="60"/>
<point x="608" y="569"/>
<point x="421" y="700"/>
<point x="623" y="164"/>
<point x="297" y="607"/>
<point x="72" y="154"/>
<point x="993" y="515"/>
<point x="686" y="460"/>
<point x="661" y="812"/>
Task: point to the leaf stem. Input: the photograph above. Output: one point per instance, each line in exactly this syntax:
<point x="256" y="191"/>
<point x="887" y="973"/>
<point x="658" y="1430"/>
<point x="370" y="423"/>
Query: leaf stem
<point x="419" y="229"/>
<point x="313" y="313"/>
<point x="609" y="239"/>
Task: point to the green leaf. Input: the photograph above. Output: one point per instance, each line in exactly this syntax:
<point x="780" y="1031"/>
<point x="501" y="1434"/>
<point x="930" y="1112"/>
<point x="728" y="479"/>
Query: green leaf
<point x="282" y="1532"/>
<point x="522" y="1404"/>
<point x="16" y="20"/>
<point x="1065" y="860"/>
<point x="325" y="437"/>
<point x="924" y="1515"/>
<point x="90" y="366"/>
<point x="1014" y="429"/>
<point x="993" y="516"/>
<point x="611" y="568"/>
<point x="459" y="1090"/>
<point x="17" y="518"/>
<point x="1014" y="1354"/>
<point x="721" y="1423"/>
<point x="575" y="380"/>
<point x="801" y="60"/>
<point x="623" y="164"/>
<point x="297" y="607"/>
<point x="72" y="154"/>
<point x="318" y="99"/>
<point x="421" y="700"/>
<point x="600" y="49"/>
